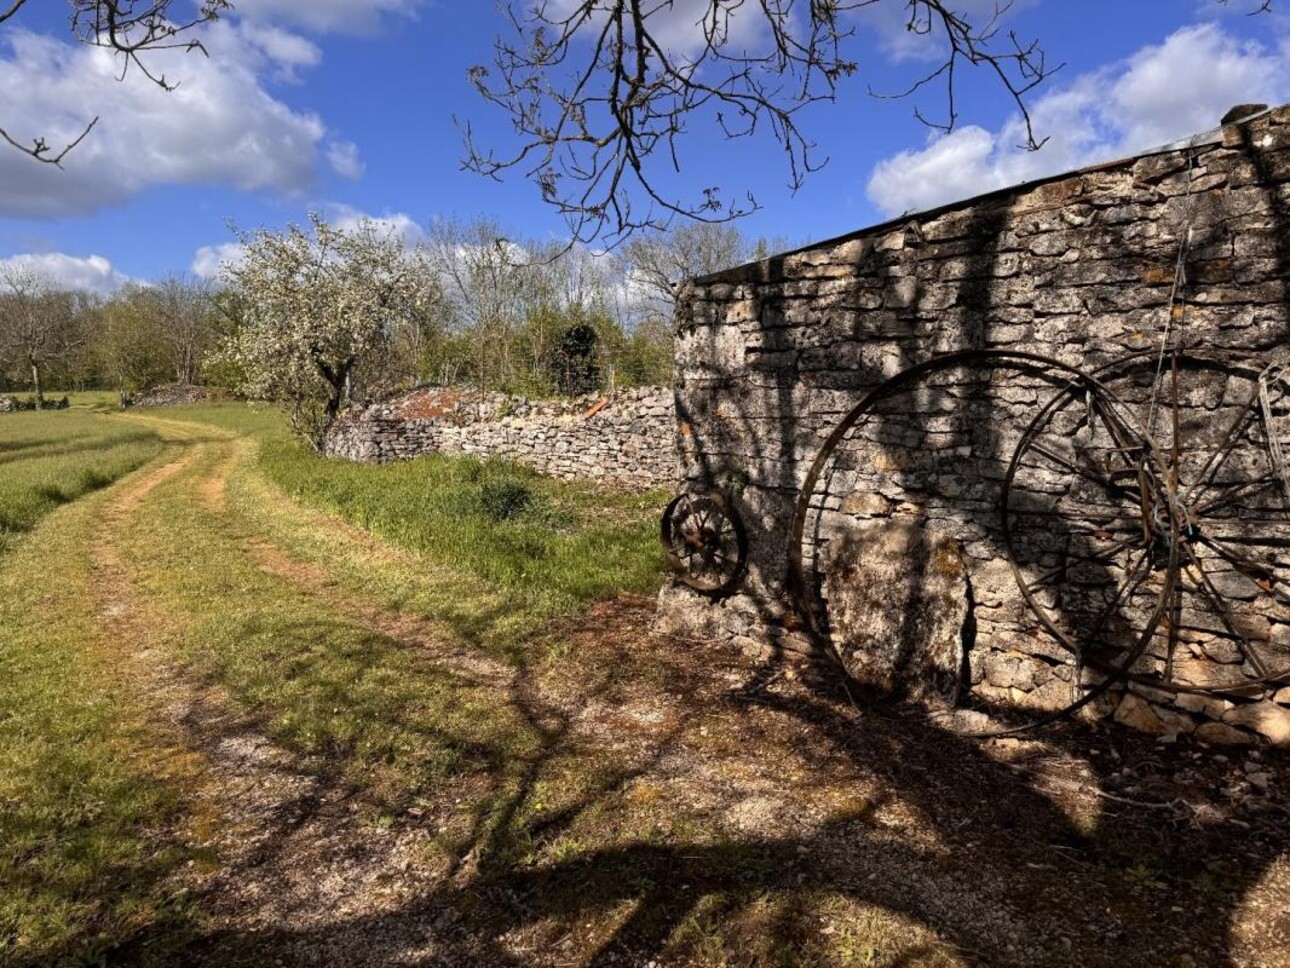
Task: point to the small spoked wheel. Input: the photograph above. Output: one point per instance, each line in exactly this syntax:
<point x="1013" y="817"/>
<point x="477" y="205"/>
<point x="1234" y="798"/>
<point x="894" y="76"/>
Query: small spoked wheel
<point x="704" y="541"/>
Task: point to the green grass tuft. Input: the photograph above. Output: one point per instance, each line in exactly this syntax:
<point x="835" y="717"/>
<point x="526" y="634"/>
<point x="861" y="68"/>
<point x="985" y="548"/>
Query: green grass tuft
<point x="51" y="458"/>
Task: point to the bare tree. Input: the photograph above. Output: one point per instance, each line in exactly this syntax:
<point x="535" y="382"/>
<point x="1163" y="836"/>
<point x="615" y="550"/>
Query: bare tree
<point x="600" y="96"/>
<point x="654" y="265"/>
<point x="38" y="325"/>
<point x="130" y="29"/>
<point x="601" y="92"/>
<point x="184" y="311"/>
<point x="485" y="280"/>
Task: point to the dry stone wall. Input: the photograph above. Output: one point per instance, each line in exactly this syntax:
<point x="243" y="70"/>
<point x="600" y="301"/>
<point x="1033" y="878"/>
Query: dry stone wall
<point x="171" y="395"/>
<point x="626" y="439"/>
<point x="1079" y="268"/>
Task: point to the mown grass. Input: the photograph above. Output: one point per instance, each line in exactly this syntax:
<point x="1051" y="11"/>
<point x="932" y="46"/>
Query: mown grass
<point x="90" y="793"/>
<point x="50" y="458"/>
<point x="384" y="719"/>
<point x="86" y="784"/>
<point x="570" y="544"/>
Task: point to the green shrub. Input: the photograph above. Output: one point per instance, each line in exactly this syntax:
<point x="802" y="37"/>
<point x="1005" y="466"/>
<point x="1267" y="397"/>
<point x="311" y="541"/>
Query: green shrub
<point x="503" y="498"/>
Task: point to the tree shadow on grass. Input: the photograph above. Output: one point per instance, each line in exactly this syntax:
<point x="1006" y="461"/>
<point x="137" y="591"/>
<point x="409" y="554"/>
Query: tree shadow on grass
<point x="751" y="818"/>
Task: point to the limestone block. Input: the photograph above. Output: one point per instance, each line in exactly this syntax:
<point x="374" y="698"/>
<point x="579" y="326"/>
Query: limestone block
<point x="1218" y="734"/>
<point x="1267" y="719"/>
<point x="897" y="603"/>
<point x="1138" y="714"/>
<point x="1052" y="696"/>
<point x="1202" y="705"/>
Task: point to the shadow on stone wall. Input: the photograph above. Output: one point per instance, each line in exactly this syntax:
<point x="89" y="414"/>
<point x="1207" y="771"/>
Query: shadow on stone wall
<point x="1081" y="268"/>
<point x="1104" y="295"/>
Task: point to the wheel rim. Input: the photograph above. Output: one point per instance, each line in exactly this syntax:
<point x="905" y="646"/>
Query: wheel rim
<point x="1000" y="370"/>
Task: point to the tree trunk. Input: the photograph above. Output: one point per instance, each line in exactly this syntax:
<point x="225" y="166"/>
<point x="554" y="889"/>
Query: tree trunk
<point x="337" y="384"/>
<point x="35" y="383"/>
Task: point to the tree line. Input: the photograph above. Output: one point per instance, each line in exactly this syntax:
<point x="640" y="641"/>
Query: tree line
<point x="320" y="316"/>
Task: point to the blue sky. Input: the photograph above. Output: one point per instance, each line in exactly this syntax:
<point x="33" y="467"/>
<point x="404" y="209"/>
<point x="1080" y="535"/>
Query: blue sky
<point x="347" y="107"/>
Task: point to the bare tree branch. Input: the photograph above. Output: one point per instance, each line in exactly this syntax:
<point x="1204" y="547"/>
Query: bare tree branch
<point x="600" y="93"/>
<point x="130" y="29"/>
<point x="601" y="101"/>
<point x="1263" y="6"/>
<point x="40" y="149"/>
<point x="13" y="9"/>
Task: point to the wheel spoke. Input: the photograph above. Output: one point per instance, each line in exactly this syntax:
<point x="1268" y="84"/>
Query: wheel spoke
<point x="1126" y="592"/>
<point x="1245" y="488"/>
<point x="1075" y="468"/>
<point x="1253" y="568"/>
<point x="1222" y="452"/>
<point x="1255" y="540"/>
<point x="1207" y="589"/>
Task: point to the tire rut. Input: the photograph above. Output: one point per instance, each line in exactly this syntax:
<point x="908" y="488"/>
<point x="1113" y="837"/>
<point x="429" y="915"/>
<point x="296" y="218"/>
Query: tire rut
<point x="283" y="841"/>
<point x="410" y="630"/>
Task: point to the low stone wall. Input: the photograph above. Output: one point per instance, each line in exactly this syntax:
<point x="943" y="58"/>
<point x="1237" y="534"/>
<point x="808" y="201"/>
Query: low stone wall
<point x="1080" y="269"/>
<point x="625" y="439"/>
<point x="16" y="405"/>
<point x="170" y="395"/>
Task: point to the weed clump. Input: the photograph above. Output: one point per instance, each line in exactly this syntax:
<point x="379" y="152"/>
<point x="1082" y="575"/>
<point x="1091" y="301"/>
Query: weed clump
<point x="503" y="498"/>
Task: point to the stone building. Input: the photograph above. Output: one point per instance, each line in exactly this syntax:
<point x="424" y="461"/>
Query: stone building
<point x="913" y="562"/>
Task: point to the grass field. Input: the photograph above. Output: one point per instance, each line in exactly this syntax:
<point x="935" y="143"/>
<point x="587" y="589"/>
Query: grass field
<point x="86" y="782"/>
<point x="89" y="789"/>
<point x="258" y="708"/>
<point x="568" y="546"/>
<point x="50" y="458"/>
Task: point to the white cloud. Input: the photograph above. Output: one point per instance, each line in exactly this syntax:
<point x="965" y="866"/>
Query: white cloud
<point x="287" y="51"/>
<point x="401" y="224"/>
<point x="329" y="16"/>
<point x="61" y="271"/>
<point x="209" y="261"/>
<point x="344" y="159"/>
<point x="681" y="27"/>
<point x="1162" y="93"/>
<point x="219" y="126"/>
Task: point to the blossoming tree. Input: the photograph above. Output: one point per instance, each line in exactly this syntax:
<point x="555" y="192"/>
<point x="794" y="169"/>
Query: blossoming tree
<point x="314" y="304"/>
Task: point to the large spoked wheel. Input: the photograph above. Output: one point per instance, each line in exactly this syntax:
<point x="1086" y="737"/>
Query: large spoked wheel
<point x="943" y="449"/>
<point x="704" y="542"/>
<point x="1089" y="529"/>
<point x="1093" y="551"/>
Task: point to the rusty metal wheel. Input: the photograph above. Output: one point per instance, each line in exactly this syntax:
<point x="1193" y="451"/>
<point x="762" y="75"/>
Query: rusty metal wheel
<point x="1092" y="552"/>
<point x="929" y="451"/>
<point x="1091" y="529"/>
<point x="704" y="541"/>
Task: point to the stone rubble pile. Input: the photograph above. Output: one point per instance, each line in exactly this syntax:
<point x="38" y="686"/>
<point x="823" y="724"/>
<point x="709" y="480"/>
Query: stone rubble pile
<point x="171" y="395"/>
